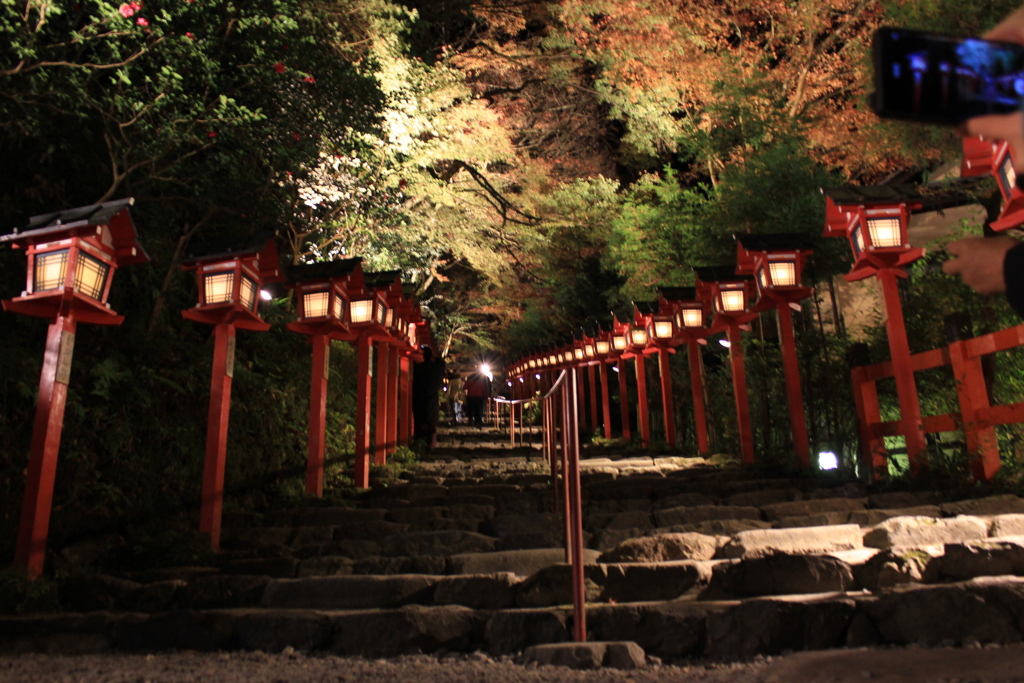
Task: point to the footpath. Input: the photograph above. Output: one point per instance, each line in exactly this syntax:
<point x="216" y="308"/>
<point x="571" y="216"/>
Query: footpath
<point x="689" y="561"/>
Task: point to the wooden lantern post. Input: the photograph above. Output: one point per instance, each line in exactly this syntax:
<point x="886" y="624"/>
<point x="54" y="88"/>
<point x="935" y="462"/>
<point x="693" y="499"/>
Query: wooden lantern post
<point x="590" y="360"/>
<point x="777" y="262"/>
<point x="602" y="354"/>
<point x="230" y="275"/>
<point x="72" y="256"/>
<point x="661" y="330"/>
<point x="639" y="346"/>
<point x="578" y="364"/>
<point x="731" y="296"/>
<point x="691" y="328"/>
<point x="321" y="290"/>
<point x="621" y="353"/>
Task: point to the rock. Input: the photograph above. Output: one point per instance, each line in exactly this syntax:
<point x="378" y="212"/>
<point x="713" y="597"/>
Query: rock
<point x="808" y="540"/>
<point x="704" y="513"/>
<point x="349" y="592"/>
<point x="273" y="631"/>
<point x="63" y="634"/>
<point x="667" y="629"/>
<point x="1006" y="525"/>
<point x="531" y="541"/>
<point x="419" y="513"/>
<point x="88" y="593"/>
<point x="479" y="591"/>
<point x="172" y="574"/>
<point x="990" y="557"/>
<point x="357" y="550"/>
<point x="664" y="547"/>
<point x="514" y="630"/>
<point x="519" y="562"/>
<point x="590" y="655"/>
<point x="636" y="486"/>
<point x="609" y="539"/>
<point x="920" y="531"/>
<point x="221" y="591"/>
<point x="256" y="537"/>
<point x="410" y="630"/>
<point x="653" y="581"/>
<point x="275" y="567"/>
<point x="873" y="517"/>
<point x="375" y="531"/>
<point x="993" y="505"/>
<point x="152" y="597"/>
<point x="329" y="565"/>
<point x="760" y="498"/>
<point x="684" y="500"/>
<point x="937" y="615"/>
<point x="771" y="626"/>
<point x="426" y="564"/>
<point x="895" y="567"/>
<point x="179" y="629"/>
<point x="851" y="489"/>
<point x="471" y="516"/>
<point x="781" y="574"/>
<point x="553" y="586"/>
<point x="901" y="499"/>
<point x="311" y="535"/>
<point x="636" y="519"/>
<point x="504" y="525"/>
<point x="717" y="527"/>
<point x="777" y="511"/>
<point x="619" y="505"/>
<point x="437" y="543"/>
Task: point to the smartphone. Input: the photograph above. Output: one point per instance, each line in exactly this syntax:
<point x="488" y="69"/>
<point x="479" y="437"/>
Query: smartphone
<point x="942" y="79"/>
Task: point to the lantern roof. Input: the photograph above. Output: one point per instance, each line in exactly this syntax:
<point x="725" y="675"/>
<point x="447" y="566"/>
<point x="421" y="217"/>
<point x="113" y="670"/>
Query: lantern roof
<point x="672" y="294"/>
<point x="780" y="241"/>
<point x="325" y="270"/>
<point x="725" y="273"/>
<point x="260" y="245"/>
<point x="382" y="279"/>
<point x="113" y="215"/>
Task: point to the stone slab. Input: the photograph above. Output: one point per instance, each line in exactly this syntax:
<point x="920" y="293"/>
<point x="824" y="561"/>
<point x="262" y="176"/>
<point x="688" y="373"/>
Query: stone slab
<point x="590" y="655"/>
<point x="350" y="592"/>
<point x="922" y="531"/>
<point x="704" y="513"/>
<point x="777" y="511"/>
<point x="520" y="562"/>
<point x="811" y="540"/>
<point x="664" y="547"/>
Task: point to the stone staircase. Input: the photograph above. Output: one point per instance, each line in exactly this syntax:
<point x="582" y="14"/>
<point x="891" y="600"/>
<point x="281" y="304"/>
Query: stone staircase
<point x="686" y="558"/>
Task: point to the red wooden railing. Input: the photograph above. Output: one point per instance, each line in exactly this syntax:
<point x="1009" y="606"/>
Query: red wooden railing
<point x="977" y="418"/>
<point x="561" y="449"/>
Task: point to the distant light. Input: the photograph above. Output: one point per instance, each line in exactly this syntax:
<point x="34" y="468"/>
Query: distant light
<point x="615" y="368"/>
<point x="828" y="461"/>
<point x="265" y="295"/>
<point x="485" y="369"/>
<point x="509" y="382"/>
<point x="537" y="375"/>
<point x="521" y="379"/>
<point x="725" y="342"/>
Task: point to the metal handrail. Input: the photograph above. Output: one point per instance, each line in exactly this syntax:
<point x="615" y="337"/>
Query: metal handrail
<point x="566" y="439"/>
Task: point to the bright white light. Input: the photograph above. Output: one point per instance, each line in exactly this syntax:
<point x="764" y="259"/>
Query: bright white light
<point x="485" y="369"/>
<point x="615" y="368"/>
<point x="509" y="382"/>
<point x="521" y="379"/>
<point x="725" y="342"/>
<point x="265" y="295"/>
<point x="828" y="461"/>
<point x="537" y="376"/>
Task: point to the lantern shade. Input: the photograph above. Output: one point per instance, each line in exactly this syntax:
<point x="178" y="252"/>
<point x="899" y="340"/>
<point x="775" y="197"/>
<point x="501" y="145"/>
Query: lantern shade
<point x="578" y="353"/>
<point x="732" y="300"/>
<point x="588" y="350"/>
<point x="360" y="311"/>
<point x="638" y="336"/>
<point x="663" y="329"/>
<point x="1007" y="176"/>
<point x="885" y="232"/>
<point x="692" y="317"/>
<point x="218" y="288"/>
<point x="603" y="348"/>
<point x="317" y="304"/>
<point x="619" y="342"/>
<point x="532" y="363"/>
<point x="247" y="294"/>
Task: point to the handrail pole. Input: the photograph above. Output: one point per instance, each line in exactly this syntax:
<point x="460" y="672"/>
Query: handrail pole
<point x="576" y="515"/>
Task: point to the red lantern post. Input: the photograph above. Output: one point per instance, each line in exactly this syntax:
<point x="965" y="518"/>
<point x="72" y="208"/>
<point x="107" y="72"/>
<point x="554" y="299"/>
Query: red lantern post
<point x="72" y="256"/>
<point x="777" y="262"/>
<point x="620" y="350"/>
<point x="230" y="275"/>
<point x="731" y="294"/>
<point x="691" y="320"/>
<point x="322" y="293"/>
<point x="639" y="346"/>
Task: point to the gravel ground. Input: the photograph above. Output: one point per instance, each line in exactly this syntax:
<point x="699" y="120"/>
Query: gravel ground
<point x="1002" y="665"/>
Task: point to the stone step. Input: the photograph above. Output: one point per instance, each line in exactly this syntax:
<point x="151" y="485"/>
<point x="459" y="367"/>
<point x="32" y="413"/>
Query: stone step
<point x="970" y="613"/>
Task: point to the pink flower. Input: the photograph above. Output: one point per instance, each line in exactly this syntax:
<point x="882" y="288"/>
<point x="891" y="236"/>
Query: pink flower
<point x="279" y="68"/>
<point x="141" y="21"/>
<point x="189" y="35"/>
<point x="211" y="134"/>
<point x="126" y="10"/>
<point x="295" y="135"/>
<point x="309" y="79"/>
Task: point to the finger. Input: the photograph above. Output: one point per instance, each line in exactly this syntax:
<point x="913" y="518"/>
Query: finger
<point x="999" y="126"/>
<point x="1010" y="29"/>
<point x="951" y="267"/>
<point x="958" y="247"/>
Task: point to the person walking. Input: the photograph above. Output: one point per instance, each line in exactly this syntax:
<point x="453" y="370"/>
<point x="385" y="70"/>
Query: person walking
<point x="478" y="390"/>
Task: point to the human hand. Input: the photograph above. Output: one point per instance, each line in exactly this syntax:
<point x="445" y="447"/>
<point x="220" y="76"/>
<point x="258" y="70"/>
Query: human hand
<point x="979" y="262"/>
<point x="1008" y="127"/>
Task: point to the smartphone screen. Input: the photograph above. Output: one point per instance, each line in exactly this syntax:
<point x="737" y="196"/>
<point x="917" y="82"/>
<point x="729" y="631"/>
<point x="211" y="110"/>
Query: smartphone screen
<point x="941" y="79"/>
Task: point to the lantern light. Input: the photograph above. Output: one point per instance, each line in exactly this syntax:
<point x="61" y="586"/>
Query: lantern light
<point x="692" y="317"/>
<point x="317" y="304"/>
<point x="885" y="232"/>
<point x="603" y="348"/>
<point x="265" y="295"/>
<point x="360" y="311"/>
<point x="619" y="342"/>
<point x="638" y="336"/>
<point x="552" y="359"/>
<point x="532" y="363"/>
<point x="663" y="329"/>
<point x="1007" y="175"/>
<point x="588" y="350"/>
<point x="578" y="353"/>
<point x="732" y="299"/>
<point x="782" y="273"/>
